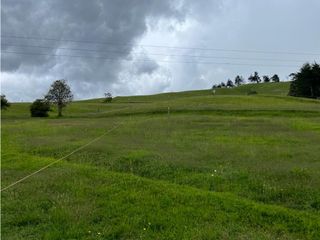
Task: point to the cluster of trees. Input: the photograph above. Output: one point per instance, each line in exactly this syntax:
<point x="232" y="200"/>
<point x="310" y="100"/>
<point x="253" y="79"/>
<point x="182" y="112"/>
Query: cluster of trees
<point x="306" y="82"/>
<point x="59" y="95"/>
<point x="253" y="78"/>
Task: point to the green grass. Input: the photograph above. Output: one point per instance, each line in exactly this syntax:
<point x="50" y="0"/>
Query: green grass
<point x="228" y="166"/>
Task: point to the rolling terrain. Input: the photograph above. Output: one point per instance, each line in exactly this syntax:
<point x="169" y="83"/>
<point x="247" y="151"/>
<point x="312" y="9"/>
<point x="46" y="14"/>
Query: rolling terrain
<point x="185" y="165"/>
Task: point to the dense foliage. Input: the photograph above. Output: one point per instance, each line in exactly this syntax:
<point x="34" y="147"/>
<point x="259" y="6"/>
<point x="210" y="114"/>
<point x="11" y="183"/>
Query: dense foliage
<point x="40" y="108"/>
<point x="306" y="82"/>
<point x="4" y="102"/>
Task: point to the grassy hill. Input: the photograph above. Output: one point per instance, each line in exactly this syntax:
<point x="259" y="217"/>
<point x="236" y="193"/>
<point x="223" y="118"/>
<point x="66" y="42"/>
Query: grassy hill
<point x="187" y="165"/>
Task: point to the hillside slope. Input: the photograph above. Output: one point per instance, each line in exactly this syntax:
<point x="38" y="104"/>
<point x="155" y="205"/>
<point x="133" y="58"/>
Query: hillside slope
<point x="188" y="165"/>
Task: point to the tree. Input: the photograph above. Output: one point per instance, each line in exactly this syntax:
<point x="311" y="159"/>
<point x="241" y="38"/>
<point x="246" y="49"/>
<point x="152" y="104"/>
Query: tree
<point x="4" y="102"/>
<point x="40" y="108"/>
<point x="222" y="85"/>
<point x="238" y="80"/>
<point x="275" y="78"/>
<point x="108" y="97"/>
<point x="230" y="83"/>
<point x="254" y="78"/>
<point x="59" y="94"/>
<point x="306" y="82"/>
<point x="266" y="79"/>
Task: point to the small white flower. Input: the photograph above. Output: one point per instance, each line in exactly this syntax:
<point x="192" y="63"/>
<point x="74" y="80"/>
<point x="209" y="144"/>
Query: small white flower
<point x="144" y="229"/>
<point x="215" y="170"/>
<point x="99" y="233"/>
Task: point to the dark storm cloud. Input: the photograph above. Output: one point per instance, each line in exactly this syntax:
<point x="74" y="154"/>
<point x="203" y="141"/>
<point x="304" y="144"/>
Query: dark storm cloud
<point x="118" y="23"/>
<point x="128" y="26"/>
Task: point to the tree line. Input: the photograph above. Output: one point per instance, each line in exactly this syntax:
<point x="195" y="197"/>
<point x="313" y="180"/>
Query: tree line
<point x="304" y="83"/>
<point x="253" y="78"/>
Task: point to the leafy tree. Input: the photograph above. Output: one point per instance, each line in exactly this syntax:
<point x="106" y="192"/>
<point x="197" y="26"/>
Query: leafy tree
<point x="230" y="83"/>
<point x="306" y="82"/>
<point x="275" y="78"/>
<point x="266" y="79"/>
<point x="108" y="97"/>
<point x="4" y="102"/>
<point x="40" y="108"/>
<point x="254" y="78"/>
<point x="222" y="85"/>
<point x="238" y="80"/>
<point x="59" y="94"/>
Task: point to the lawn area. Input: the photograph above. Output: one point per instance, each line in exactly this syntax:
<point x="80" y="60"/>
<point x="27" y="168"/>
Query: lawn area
<point x="187" y="165"/>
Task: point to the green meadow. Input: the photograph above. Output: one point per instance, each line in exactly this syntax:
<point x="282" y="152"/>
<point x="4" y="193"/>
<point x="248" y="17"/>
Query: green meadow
<point x="185" y="165"/>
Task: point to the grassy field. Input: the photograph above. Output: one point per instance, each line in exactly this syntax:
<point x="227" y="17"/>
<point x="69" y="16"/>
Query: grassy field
<point x="188" y="165"/>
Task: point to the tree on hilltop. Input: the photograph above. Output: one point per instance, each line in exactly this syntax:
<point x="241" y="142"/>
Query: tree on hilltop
<point x="254" y="78"/>
<point x="266" y="79"/>
<point x="238" y="80"/>
<point x="59" y="94"/>
<point x="230" y="83"/>
<point x="275" y="78"/>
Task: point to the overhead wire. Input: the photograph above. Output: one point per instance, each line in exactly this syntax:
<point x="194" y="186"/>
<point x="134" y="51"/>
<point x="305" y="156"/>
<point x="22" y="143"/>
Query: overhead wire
<point x="146" y="60"/>
<point x="158" y="46"/>
<point x="149" y="54"/>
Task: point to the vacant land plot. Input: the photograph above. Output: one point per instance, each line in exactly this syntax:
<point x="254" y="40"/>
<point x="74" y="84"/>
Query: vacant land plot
<point x="179" y="166"/>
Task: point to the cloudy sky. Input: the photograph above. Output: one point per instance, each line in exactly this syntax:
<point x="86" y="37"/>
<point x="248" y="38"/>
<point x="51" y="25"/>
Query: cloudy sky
<point x="130" y="47"/>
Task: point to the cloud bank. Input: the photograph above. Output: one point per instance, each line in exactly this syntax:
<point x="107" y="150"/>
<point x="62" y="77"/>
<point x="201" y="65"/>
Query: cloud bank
<point x="114" y="46"/>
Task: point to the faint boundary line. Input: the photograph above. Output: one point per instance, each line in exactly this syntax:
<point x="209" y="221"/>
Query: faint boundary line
<point x="74" y="151"/>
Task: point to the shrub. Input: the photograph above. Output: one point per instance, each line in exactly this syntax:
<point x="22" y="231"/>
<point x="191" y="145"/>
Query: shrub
<point x="40" y="108"/>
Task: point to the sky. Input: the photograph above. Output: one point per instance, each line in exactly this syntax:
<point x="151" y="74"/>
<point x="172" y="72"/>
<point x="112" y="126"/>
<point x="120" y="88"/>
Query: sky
<point x="136" y="47"/>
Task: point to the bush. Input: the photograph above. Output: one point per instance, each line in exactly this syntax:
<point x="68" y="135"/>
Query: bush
<point x="40" y="108"/>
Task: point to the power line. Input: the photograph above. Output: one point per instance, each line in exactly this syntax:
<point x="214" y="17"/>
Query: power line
<point x="154" y="54"/>
<point x="148" y="60"/>
<point x="160" y="46"/>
